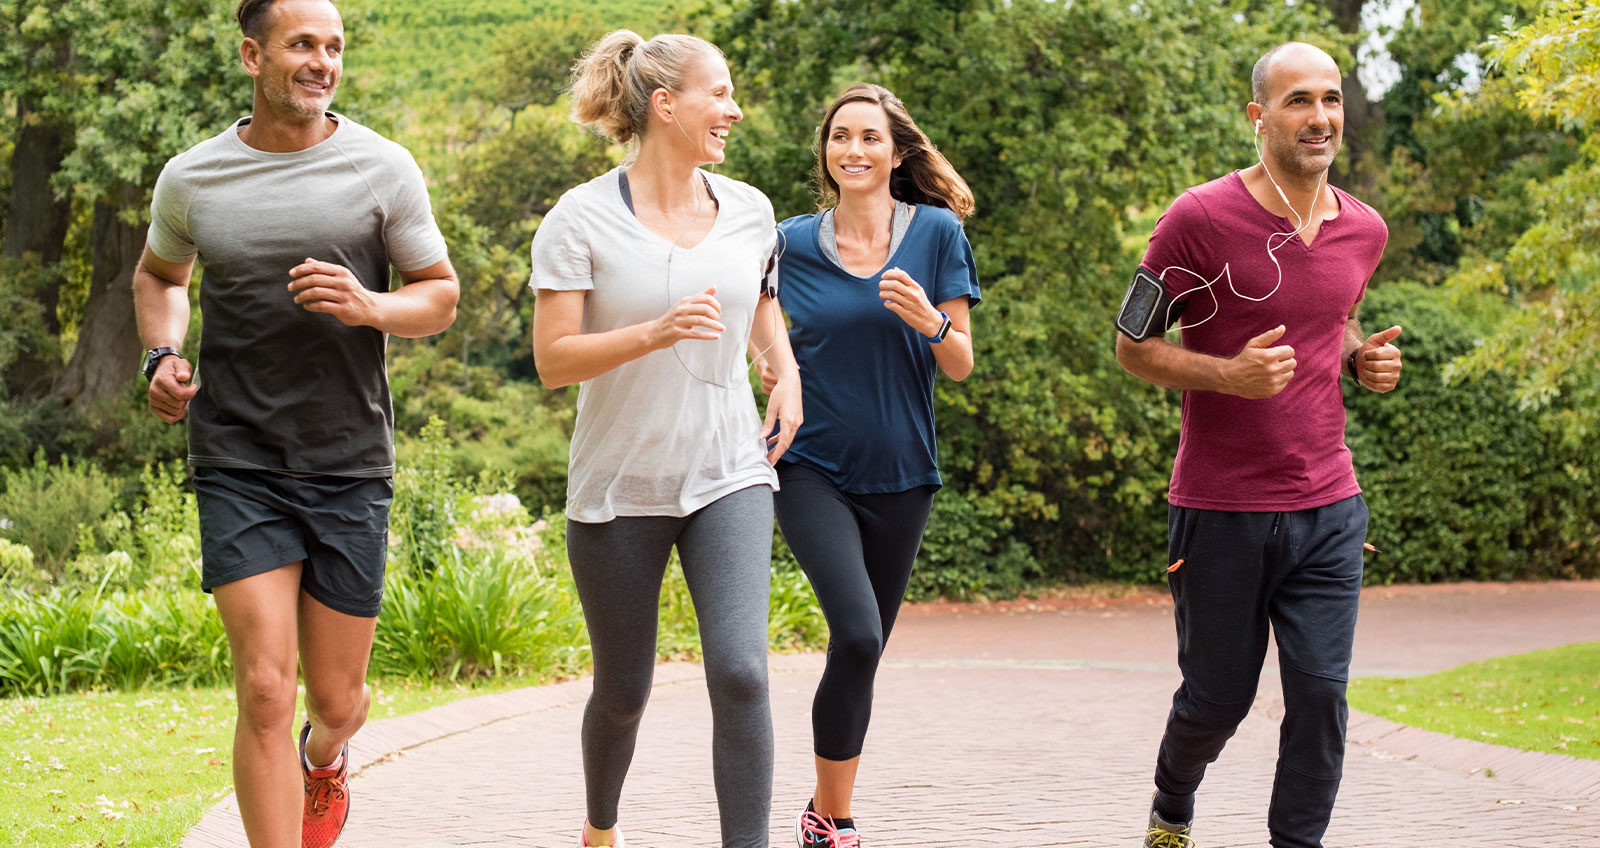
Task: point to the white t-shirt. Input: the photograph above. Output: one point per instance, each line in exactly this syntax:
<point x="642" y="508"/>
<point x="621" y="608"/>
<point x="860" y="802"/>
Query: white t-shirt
<point x="658" y="435"/>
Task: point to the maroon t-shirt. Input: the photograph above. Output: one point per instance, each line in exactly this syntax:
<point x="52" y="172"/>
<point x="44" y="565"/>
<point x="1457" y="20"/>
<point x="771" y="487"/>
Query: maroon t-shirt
<point x="1285" y="452"/>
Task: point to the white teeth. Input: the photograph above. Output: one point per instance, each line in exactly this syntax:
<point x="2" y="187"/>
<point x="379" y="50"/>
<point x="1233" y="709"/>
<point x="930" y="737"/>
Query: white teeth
<point x="720" y="133"/>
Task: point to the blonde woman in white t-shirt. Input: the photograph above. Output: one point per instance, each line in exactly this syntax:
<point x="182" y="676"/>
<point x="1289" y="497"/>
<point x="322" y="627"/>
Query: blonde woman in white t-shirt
<point x="651" y="292"/>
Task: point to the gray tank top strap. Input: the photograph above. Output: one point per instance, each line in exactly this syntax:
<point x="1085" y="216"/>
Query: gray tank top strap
<point x="830" y="240"/>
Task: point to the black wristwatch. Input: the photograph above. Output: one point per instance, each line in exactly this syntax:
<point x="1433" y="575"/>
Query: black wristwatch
<point x="153" y="357"/>
<point x="944" y="330"/>
<point x="1351" y="363"/>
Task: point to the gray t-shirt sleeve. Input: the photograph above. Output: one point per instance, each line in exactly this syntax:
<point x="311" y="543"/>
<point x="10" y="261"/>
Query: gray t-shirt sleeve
<point x="562" y="260"/>
<point x="409" y="231"/>
<point x="169" y="217"/>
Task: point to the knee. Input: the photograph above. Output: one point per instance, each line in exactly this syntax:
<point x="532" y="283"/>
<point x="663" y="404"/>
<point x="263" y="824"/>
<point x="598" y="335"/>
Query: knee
<point x="1212" y="714"/>
<point x="739" y="683"/>
<point x="856" y="651"/>
<point x="266" y="699"/>
<point x="620" y="705"/>
<point x="1302" y="691"/>
<point x="340" y="712"/>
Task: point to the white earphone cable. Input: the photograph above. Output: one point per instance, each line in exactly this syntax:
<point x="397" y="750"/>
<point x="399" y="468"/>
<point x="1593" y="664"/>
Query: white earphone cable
<point x="742" y="381"/>
<point x="1281" y="240"/>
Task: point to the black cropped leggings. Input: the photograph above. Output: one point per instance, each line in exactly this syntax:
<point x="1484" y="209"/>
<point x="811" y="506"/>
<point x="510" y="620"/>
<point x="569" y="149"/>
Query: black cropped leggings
<point x="857" y="550"/>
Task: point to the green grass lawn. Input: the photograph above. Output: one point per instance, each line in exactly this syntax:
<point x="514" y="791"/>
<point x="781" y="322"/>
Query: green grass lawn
<point x="99" y="770"/>
<point x="1541" y="701"/>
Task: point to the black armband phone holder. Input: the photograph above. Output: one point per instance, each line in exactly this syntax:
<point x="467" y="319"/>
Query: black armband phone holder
<point x="769" y="270"/>
<point x="1146" y="310"/>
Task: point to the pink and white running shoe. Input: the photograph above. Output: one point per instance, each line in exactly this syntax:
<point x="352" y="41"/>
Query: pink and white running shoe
<point x="814" y="831"/>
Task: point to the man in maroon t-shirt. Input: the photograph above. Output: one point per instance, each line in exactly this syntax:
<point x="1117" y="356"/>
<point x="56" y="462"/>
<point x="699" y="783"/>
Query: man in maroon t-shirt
<point x="1267" y="266"/>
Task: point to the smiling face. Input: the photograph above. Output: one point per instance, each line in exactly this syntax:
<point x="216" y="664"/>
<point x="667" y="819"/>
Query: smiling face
<point x="298" y="59"/>
<point x="859" y="151"/>
<point x="704" y="110"/>
<point x="1302" y="118"/>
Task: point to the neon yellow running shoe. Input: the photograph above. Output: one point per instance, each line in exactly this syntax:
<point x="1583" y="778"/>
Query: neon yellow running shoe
<point x="1165" y="834"/>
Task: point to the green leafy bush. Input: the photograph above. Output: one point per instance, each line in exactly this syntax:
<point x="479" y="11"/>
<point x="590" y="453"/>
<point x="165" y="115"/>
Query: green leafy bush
<point x="45" y="642"/>
<point x="970" y="550"/>
<point x="70" y="638"/>
<point x="513" y="430"/>
<point x="476" y="616"/>
<point x="16" y="562"/>
<point x="1463" y="482"/>
<point x="153" y="542"/>
<point x="46" y="506"/>
<point x="475" y="588"/>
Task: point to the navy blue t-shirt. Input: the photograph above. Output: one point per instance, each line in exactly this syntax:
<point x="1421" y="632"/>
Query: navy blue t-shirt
<point x="867" y="376"/>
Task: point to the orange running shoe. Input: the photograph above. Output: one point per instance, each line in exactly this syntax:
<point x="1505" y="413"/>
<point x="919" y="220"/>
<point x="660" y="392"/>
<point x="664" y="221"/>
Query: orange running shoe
<point x="327" y="797"/>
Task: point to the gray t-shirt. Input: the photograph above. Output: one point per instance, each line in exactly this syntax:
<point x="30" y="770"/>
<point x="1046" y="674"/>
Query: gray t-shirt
<point x="283" y="389"/>
<point x="676" y="429"/>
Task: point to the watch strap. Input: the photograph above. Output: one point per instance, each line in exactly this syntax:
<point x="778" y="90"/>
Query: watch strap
<point x="944" y="329"/>
<point x="152" y="358"/>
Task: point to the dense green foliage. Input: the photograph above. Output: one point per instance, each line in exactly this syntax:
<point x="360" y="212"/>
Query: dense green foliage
<point x="1074" y="135"/>
<point x="424" y="44"/>
<point x="1445" y="466"/>
<point x="1055" y="460"/>
<point x="476" y="588"/>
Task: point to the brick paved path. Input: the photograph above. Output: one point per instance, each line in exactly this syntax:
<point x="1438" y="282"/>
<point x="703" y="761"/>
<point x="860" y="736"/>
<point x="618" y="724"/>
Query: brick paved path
<point x="1017" y="728"/>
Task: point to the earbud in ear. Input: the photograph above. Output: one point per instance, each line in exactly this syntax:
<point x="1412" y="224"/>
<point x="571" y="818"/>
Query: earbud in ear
<point x="1258" y="125"/>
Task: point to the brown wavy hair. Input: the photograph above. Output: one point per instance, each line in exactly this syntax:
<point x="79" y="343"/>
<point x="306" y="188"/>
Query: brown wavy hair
<point x="923" y="175"/>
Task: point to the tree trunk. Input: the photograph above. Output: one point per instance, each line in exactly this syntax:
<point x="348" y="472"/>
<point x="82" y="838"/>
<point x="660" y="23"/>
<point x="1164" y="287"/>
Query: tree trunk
<point x="107" y="355"/>
<point x="1361" y="116"/>
<point x="36" y="229"/>
<point x="37" y="222"/>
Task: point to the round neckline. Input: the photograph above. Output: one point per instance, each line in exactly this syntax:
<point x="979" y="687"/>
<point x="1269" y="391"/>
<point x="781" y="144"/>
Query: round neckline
<point x="328" y="143"/>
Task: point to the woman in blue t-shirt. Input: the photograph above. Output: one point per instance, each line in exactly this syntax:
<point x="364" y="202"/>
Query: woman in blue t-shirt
<point x="878" y="288"/>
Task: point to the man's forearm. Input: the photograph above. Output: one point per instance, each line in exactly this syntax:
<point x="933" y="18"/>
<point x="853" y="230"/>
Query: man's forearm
<point x="1165" y="364"/>
<point x="161" y="310"/>
<point x="418" y="309"/>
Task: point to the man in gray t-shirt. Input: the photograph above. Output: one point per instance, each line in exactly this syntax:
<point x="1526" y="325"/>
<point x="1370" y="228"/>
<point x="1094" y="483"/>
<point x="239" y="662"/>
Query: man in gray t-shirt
<point x="297" y="215"/>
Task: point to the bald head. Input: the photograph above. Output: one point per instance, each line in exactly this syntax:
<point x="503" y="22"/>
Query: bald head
<point x="1297" y="53"/>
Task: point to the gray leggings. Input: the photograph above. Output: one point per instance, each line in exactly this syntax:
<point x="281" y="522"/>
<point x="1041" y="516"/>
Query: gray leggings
<point x="726" y="552"/>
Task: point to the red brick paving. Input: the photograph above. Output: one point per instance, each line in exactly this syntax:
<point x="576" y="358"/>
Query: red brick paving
<point x="1000" y="728"/>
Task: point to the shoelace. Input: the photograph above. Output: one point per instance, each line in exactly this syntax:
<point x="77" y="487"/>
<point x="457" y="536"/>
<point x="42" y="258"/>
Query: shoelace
<point x="824" y="829"/>
<point x="1163" y="838"/>
<point x="324" y="791"/>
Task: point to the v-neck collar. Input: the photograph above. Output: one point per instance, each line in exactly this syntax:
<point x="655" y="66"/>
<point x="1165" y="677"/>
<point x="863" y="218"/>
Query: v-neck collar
<point x="625" y="196"/>
<point x="1288" y="225"/>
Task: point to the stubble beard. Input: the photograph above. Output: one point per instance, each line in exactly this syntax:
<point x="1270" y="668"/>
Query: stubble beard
<point x="287" y="100"/>
<point x="1304" y="164"/>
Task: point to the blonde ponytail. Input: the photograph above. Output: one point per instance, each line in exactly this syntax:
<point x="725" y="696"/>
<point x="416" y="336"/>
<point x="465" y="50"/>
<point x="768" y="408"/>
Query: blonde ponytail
<point x="612" y="83"/>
